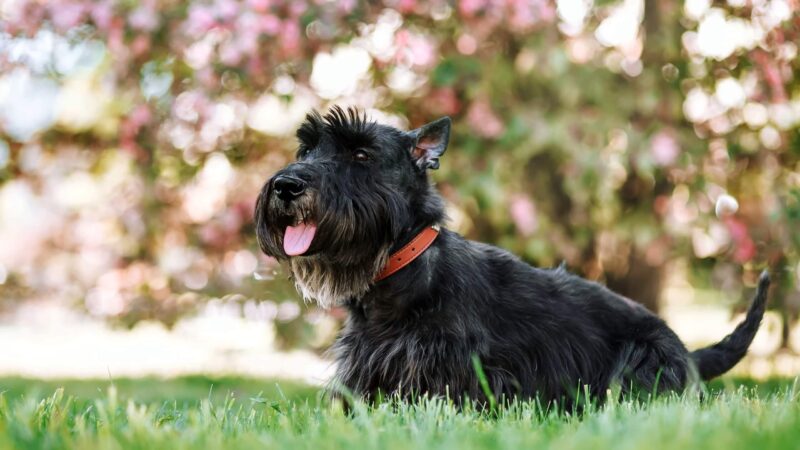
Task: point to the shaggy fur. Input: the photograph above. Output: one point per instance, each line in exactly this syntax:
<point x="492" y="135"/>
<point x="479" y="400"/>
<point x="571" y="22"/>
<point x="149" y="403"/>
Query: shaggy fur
<point x="537" y="332"/>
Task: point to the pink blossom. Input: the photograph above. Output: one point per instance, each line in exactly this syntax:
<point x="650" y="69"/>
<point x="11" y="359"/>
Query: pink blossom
<point x="200" y="20"/>
<point x="247" y="42"/>
<point x="297" y="8"/>
<point x="744" y="247"/>
<point x="25" y="16"/>
<point x="226" y="9"/>
<point x="414" y="49"/>
<point x="231" y="220"/>
<point x="102" y="13"/>
<point x="270" y="24"/>
<point x="190" y="105"/>
<point x="248" y="30"/>
<point x="211" y="235"/>
<point x="661" y="205"/>
<point x="523" y="213"/>
<point x="143" y="18"/>
<point x="346" y="6"/>
<point x="130" y="127"/>
<point x="255" y="65"/>
<point x="745" y="251"/>
<point x="207" y="77"/>
<point x="444" y="101"/>
<point x="664" y="148"/>
<point x="526" y="13"/>
<point x="423" y="52"/>
<point x="466" y="44"/>
<point x="523" y="14"/>
<point x="140" y="45"/>
<point x="229" y="53"/>
<point x="401" y="38"/>
<point x="259" y="5"/>
<point x="406" y="6"/>
<point x="772" y="76"/>
<point x="66" y="15"/>
<point x="546" y="10"/>
<point x="290" y="38"/>
<point x="483" y="120"/>
<point x="469" y="8"/>
<point x="140" y="116"/>
<point x="116" y="38"/>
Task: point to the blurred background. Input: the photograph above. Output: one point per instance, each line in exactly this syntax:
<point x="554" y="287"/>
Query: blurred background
<point x="653" y="145"/>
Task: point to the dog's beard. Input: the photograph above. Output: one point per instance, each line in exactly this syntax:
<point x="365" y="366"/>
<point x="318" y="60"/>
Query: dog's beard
<point x="329" y="283"/>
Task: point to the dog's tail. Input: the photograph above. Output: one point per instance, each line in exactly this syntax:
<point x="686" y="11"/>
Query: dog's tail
<point x="717" y="359"/>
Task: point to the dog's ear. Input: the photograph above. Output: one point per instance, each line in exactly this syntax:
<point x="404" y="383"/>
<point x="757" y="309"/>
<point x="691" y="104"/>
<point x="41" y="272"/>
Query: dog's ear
<point x="430" y="142"/>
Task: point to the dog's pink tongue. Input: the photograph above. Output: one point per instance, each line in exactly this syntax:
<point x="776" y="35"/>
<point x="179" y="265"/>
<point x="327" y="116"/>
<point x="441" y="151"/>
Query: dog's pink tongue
<point x="297" y="238"/>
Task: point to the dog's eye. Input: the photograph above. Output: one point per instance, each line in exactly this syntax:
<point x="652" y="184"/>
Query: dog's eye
<point x="360" y="155"/>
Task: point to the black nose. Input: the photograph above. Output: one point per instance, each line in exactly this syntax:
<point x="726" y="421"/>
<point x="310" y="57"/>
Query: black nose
<point x="288" y="188"/>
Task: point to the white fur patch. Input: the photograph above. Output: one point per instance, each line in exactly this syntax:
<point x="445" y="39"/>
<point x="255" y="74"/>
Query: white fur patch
<point x="330" y="284"/>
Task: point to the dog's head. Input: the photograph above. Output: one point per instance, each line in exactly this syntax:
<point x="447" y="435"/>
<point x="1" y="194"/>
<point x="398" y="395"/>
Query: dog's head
<point x="355" y="189"/>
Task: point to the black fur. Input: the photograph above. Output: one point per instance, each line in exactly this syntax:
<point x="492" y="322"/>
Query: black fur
<point x="537" y="332"/>
<point x="717" y="359"/>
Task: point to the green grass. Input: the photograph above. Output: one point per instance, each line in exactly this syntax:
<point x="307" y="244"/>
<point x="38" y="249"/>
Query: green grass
<point x="206" y="413"/>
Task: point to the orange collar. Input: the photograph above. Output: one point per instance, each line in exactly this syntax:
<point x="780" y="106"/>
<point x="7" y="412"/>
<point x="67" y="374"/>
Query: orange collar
<point x="409" y="252"/>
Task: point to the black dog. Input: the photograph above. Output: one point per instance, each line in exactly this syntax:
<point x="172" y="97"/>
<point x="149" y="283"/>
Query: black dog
<point x="358" y="198"/>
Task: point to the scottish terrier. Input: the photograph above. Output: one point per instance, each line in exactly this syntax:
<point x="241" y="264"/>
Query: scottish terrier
<point x="359" y="224"/>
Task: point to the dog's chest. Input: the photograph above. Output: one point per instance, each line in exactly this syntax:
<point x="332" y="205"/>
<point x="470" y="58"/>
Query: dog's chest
<point x="385" y="356"/>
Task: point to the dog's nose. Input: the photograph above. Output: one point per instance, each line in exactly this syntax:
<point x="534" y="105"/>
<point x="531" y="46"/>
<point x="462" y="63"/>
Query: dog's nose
<point x="288" y="188"/>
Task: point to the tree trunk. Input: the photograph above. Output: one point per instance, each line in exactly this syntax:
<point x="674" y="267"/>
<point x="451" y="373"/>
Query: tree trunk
<point x="642" y="283"/>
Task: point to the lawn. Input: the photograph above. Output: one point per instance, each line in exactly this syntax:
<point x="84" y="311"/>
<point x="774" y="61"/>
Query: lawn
<point x="208" y="413"/>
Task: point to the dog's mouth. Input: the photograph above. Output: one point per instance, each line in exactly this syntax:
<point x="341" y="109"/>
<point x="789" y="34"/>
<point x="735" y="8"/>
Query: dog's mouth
<point x="297" y="238"/>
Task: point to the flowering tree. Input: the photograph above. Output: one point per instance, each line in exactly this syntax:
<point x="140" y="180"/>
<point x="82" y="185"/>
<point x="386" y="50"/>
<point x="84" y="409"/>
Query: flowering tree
<point x="135" y="136"/>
